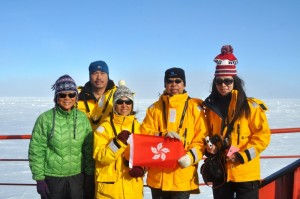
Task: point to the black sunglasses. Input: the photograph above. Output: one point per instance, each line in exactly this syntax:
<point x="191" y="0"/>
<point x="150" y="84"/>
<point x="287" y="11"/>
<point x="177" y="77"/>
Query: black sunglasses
<point x="171" y="81"/>
<point x="226" y="81"/>
<point x="64" y="95"/>
<point x="120" y="102"/>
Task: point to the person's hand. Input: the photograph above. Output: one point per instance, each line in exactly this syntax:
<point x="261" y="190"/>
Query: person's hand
<point x="123" y="136"/>
<point x="233" y="158"/>
<point x="42" y="188"/>
<point x="136" y="171"/>
<point x="173" y="135"/>
<point x="185" y="161"/>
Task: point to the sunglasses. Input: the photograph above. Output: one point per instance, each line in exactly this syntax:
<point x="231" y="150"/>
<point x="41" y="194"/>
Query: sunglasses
<point x="64" y="95"/>
<point x="226" y="81"/>
<point x="120" y="102"/>
<point x="171" y="81"/>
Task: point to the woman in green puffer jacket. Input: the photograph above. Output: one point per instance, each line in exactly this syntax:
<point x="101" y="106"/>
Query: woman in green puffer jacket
<point x="60" y="150"/>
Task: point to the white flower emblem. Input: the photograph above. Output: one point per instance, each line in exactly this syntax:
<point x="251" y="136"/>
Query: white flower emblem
<point x="159" y="152"/>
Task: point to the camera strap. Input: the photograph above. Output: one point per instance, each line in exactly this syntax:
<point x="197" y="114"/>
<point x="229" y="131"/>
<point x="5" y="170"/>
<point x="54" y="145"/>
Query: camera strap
<point x="228" y="133"/>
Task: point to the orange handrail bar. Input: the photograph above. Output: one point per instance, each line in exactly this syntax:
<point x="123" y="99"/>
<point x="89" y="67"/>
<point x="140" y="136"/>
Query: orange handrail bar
<point x="285" y="130"/>
<point x="262" y="157"/>
<point x="5" y="137"/>
<point x="279" y="156"/>
<point x="273" y="131"/>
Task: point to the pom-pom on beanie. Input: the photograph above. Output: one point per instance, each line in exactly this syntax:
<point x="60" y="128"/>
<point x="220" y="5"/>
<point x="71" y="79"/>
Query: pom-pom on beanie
<point x="226" y="62"/>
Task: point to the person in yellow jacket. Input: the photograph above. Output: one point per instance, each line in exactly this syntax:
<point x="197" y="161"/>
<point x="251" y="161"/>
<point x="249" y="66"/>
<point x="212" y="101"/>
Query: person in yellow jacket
<point x="242" y="126"/>
<point x="177" y="116"/>
<point x="96" y="97"/>
<point x="114" y="178"/>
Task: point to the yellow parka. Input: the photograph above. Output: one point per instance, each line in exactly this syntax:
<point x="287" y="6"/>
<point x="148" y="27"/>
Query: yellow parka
<point x="165" y="116"/>
<point x="112" y="172"/>
<point x="251" y="135"/>
<point x="96" y="110"/>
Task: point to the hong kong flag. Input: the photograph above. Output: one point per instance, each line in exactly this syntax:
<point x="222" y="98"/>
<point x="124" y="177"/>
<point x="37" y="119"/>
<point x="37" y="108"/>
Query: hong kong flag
<point x="154" y="151"/>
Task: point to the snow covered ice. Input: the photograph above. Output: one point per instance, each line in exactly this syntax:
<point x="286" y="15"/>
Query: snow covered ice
<point x="19" y="114"/>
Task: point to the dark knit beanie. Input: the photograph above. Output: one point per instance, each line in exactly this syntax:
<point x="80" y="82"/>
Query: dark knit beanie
<point x="98" y="66"/>
<point x="175" y="72"/>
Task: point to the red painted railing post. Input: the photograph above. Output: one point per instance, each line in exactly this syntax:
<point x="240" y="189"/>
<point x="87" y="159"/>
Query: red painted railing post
<point x="267" y="192"/>
<point x="296" y="190"/>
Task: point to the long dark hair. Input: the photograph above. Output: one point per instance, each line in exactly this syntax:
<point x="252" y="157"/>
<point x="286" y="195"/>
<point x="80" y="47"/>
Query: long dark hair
<point x="242" y="105"/>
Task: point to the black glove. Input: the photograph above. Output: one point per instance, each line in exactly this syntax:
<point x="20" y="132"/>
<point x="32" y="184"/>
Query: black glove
<point x="89" y="186"/>
<point x="42" y="188"/>
<point x="136" y="172"/>
<point x="123" y="136"/>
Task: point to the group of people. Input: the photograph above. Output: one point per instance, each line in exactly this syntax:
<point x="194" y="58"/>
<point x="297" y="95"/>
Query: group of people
<point x="79" y="147"/>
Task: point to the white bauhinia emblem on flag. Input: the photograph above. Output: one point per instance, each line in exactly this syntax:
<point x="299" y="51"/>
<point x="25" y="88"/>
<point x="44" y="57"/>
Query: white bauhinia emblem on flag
<point x="159" y="152"/>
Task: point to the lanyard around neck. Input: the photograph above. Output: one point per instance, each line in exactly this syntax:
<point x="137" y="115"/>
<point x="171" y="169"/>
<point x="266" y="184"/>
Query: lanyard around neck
<point x="182" y="115"/>
<point x="114" y="128"/>
<point x="104" y="109"/>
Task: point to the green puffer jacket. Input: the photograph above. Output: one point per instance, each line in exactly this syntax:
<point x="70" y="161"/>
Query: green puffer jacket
<point x="61" y="151"/>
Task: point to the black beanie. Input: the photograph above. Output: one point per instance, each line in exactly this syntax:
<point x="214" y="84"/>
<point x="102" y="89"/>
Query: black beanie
<point x="175" y="72"/>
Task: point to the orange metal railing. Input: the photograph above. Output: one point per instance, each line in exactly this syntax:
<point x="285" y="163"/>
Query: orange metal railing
<point x="273" y="131"/>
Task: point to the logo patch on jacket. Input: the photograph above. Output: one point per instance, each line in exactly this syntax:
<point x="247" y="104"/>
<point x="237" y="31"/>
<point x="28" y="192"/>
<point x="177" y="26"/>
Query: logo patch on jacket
<point x="100" y="129"/>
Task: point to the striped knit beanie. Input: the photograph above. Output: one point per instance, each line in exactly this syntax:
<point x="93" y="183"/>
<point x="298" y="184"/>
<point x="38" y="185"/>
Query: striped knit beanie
<point x="226" y="62"/>
<point x="64" y="83"/>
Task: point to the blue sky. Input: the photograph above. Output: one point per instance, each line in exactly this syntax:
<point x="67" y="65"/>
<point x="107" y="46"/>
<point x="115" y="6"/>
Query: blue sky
<point x="140" y="39"/>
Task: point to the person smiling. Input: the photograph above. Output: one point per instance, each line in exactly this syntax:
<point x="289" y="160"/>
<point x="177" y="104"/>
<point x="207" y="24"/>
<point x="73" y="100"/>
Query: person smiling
<point x="114" y="178"/>
<point x="96" y="97"/>
<point x="242" y="129"/>
<point x="177" y="116"/>
<point x="60" y="149"/>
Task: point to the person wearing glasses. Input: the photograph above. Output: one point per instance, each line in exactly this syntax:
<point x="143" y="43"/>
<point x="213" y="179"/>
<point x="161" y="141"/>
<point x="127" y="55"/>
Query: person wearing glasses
<point x="114" y="178"/>
<point x="96" y="97"/>
<point x="60" y="149"/>
<point x="176" y="115"/>
<point x="241" y="124"/>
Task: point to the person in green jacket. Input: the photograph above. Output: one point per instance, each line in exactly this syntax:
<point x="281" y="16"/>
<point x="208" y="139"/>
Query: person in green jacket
<point x="60" y="149"/>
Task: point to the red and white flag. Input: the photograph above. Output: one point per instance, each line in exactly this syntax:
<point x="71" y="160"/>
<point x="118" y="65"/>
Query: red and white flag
<point x="154" y="151"/>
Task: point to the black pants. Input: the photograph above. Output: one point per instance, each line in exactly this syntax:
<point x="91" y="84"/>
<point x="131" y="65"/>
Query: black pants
<point x="237" y="190"/>
<point x="65" y="187"/>
<point x="159" y="194"/>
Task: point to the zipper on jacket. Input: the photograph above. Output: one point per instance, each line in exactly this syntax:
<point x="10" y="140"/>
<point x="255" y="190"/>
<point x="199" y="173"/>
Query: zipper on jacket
<point x="238" y="132"/>
<point x="184" y="136"/>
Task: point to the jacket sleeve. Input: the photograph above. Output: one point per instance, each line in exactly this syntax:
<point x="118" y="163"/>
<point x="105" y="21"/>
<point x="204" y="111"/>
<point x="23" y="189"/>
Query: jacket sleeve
<point x="37" y="148"/>
<point x="149" y="125"/>
<point x="107" y="148"/>
<point x="87" y="149"/>
<point x="196" y="148"/>
<point x="260" y="132"/>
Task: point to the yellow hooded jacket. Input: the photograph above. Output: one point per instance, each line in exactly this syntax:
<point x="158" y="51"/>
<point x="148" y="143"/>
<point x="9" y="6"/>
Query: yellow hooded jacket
<point x="111" y="172"/>
<point x="165" y="116"/>
<point x="96" y="110"/>
<point x="251" y="135"/>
